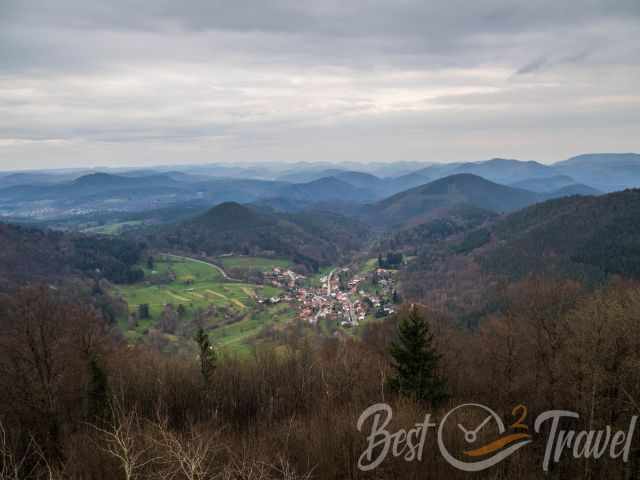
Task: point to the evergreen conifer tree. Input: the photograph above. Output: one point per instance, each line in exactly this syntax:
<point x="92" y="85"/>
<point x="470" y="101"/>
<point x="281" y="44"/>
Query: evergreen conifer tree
<point x="208" y="357"/>
<point x="415" y="361"/>
<point x="97" y="389"/>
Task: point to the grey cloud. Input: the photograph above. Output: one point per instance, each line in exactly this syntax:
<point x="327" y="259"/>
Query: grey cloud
<point x="533" y="66"/>
<point x="355" y="17"/>
<point x="48" y="33"/>
<point x="548" y="61"/>
<point x="235" y="78"/>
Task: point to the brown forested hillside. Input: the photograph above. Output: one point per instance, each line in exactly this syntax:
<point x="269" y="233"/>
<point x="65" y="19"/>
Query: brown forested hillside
<point x="75" y="403"/>
<point x="308" y="238"/>
<point x="29" y="255"/>
<point x="584" y="238"/>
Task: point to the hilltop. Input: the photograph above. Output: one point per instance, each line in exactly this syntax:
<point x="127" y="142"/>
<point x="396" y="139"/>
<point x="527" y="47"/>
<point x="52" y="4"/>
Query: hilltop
<point x="499" y="170"/>
<point x="605" y="171"/>
<point x="435" y="199"/>
<point x="310" y="239"/>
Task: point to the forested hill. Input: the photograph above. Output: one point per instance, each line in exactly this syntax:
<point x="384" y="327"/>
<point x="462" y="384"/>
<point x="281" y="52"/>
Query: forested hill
<point x="310" y="238"/>
<point x="437" y="198"/>
<point x="584" y="238"/>
<point x="29" y="255"/>
<point x="600" y="235"/>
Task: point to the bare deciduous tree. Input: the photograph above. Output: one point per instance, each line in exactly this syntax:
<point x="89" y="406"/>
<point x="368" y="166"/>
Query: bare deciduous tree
<point x="122" y="439"/>
<point x="189" y="455"/>
<point x="12" y="466"/>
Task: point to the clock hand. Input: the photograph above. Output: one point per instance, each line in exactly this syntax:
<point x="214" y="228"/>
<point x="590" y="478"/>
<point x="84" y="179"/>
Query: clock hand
<point x="486" y="420"/>
<point x="464" y="430"/>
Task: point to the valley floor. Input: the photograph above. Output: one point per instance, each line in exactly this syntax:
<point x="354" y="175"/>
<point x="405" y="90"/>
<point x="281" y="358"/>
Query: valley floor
<point x="180" y="293"/>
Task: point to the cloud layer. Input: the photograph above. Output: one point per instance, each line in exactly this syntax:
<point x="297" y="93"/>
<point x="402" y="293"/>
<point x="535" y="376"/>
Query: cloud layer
<point x="139" y="82"/>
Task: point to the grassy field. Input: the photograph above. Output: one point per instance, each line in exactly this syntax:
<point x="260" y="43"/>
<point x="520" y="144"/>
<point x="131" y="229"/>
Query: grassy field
<point x="185" y="270"/>
<point x="315" y="279"/>
<point x="369" y="266"/>
<point x="237" y="335"/>
<point x="253" y="263"/>
<point x="199" y="287"/>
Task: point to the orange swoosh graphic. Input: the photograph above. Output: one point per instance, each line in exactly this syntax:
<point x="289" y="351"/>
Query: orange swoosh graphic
<point x="497" y="444"/>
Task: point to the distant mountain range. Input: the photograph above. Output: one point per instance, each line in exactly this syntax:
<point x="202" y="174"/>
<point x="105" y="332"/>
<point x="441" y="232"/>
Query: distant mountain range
<point x="323" y="190"/>
<point x="505" y="211"/>
<point x="498" y="170"/>
<point x="321" y="235"/>
<point x="59" y="195"/>
<point x="104" y="192"/>
<point x="603" y="172"/>
<point x="436" y="199"/>
<point x="544" y="184"/>
<point x="376" y="186"/>
<point x="607" y="172"/>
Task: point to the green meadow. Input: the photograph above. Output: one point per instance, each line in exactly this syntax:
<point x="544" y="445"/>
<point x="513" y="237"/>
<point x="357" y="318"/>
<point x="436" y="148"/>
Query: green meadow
<point x="253" y="263"/>
<point x="369" y="266"/>
<point x="233" y="317"/>
<point x="315" y="279"/>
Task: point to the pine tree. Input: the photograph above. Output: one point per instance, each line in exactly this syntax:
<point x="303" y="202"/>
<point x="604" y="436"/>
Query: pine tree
<point x="415" y="361"/>
<point x="97" y="389"/>
<point x="208" y="357"/>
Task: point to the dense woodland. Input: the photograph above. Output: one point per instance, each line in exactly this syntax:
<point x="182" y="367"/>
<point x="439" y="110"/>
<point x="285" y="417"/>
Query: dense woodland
<point x="76" y="403"/>
<point x="310" y="239"/>
<point x="31" y="255"/>
<point x="587" y="239"/>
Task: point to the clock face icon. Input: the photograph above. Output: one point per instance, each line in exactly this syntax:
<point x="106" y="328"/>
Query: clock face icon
<point x="472" y="437"/>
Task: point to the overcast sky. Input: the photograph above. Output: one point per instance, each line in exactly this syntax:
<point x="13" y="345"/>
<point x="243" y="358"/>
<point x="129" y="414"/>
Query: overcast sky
<point x="143" y="82"/>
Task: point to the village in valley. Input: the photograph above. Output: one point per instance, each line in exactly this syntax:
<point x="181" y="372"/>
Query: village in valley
<point x="344" y="296"/>
<point x="239" y="298"/>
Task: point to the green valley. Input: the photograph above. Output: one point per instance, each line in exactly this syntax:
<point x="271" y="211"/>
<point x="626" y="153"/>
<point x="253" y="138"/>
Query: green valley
<point x="179" y="294"/>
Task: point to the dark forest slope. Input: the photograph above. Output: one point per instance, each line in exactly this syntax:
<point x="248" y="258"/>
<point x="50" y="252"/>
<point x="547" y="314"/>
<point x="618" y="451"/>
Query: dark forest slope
<point x="310" y="238"/>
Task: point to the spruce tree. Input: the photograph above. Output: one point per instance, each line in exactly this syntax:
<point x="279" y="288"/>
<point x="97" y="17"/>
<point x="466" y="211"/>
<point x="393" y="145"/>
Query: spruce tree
<point x="208" y="357"/>
<point x="415" y="361"/>
<point x="97" y="389"/>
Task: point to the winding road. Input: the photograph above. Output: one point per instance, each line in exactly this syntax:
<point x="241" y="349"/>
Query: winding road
<point x="224" y="274"/>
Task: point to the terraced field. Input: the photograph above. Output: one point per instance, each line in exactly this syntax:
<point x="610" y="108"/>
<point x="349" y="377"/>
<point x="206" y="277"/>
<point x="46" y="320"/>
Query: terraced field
<point x="230" y="310"/>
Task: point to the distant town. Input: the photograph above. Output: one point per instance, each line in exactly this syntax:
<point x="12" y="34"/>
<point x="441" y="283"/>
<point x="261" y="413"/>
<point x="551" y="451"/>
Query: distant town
<point x="341" y="296"/>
